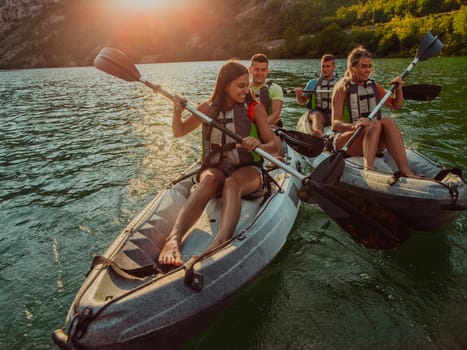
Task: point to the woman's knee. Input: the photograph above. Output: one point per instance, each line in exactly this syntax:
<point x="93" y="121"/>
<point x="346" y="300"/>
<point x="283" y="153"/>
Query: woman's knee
<point x="208" y="180"/>
<point x="231" y="187"/>
<point x="388" y="122"/>
<point x="209" y="183"/>
<point x="375" y="125"/>
<point x="232" y="184"/>
<point x="245" y="181"/>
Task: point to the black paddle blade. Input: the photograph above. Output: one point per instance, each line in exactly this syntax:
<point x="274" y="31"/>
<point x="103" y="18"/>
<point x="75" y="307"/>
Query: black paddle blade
<point x="421" y="92"/>
<point x="367" y="222"/>
<point x="330" y="170"/>
<point x="116" y="63"/>
<point x="429" y="47"/>
<point x="303" y="143"/>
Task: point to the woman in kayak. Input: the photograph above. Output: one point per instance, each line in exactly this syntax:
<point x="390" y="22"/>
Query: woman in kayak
<point x="229" y="169"/>
<point x="354" y="97"/>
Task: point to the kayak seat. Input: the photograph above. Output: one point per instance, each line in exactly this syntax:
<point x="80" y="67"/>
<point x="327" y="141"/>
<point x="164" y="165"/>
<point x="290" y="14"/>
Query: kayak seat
<point x="265" y="191"/>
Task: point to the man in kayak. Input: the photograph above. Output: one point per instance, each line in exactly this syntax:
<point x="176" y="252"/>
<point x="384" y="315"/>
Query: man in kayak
<point x="317" y="95"/>
<point x="229" y="169"/>
<point x="355" y="96"/>
<point x="268" y="93"/>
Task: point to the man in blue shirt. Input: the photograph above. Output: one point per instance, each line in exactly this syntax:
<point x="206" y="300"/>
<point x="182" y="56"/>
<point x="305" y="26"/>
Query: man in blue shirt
<point x="317" y="95"/>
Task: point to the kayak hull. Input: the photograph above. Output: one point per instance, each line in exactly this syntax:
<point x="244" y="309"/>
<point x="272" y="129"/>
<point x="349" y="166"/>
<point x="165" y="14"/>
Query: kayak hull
<point x="425" y="203"/>
<point x="165" y="309"/>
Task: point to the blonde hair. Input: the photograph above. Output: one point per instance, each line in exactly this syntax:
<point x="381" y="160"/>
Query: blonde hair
<point x="352" y="60"/>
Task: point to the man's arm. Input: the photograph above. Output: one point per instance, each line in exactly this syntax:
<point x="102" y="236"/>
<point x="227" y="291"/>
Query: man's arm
<point x="303" y="97"/>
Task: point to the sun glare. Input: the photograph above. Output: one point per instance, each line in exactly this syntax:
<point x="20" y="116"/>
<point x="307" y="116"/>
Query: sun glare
<point x="146" y="4"/>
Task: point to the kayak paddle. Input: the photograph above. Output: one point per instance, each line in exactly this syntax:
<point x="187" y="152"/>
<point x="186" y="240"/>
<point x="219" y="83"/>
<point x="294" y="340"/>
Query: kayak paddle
<point x="414" y="92"/>
<point x="350" y="218"/>
<point x="365" y="220"/>
<point x="305" y="144"/>
<point x="421" y="92"/>
<point x="330" y="170"/>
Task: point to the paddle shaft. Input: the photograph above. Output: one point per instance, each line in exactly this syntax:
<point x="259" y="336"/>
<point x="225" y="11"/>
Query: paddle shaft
<point x="324" y="91"/>
<point x="410" y="91"/>
<point x="214" y="123"/>
<point x="414" y="92"/>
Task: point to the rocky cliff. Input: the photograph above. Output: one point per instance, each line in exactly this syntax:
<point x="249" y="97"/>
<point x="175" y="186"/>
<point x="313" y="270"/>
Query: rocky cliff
<point x="23" y="27"/>
<point x="51" y="33"/>
<point x="12" y="12"/>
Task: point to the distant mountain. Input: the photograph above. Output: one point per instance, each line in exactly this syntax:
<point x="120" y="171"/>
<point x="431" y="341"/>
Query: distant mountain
<point x="48" y="33"/>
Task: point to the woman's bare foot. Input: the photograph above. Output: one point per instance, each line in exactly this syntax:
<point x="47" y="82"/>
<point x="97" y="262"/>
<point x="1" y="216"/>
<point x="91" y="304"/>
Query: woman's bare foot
<point x="170" y="254"/>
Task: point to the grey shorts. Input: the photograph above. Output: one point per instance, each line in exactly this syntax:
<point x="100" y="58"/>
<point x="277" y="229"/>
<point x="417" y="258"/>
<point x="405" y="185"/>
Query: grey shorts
<point x="327" y="116"/>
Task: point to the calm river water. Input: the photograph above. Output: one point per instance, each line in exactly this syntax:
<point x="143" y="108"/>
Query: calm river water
<point x="82" y="152"/>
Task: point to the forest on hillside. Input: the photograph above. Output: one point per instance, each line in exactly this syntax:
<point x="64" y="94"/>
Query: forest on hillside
<point x="388" y="28"/>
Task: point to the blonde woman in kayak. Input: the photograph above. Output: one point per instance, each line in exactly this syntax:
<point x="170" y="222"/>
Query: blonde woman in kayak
<point x="354" y="97"/>
<point x="229" y="169"/>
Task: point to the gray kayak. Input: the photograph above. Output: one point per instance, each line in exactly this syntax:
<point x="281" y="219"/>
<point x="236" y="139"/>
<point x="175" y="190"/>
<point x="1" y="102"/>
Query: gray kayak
<point x="128" y="301"/>
<point x="424" y="203"/>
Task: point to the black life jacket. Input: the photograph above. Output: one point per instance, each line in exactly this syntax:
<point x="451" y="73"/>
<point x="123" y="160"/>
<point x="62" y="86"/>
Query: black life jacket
<point x="263" y="96"/>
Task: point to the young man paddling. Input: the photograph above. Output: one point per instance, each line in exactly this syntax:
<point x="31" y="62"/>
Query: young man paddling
<point x="268" y="93"/>
<point x="317" y="94"/>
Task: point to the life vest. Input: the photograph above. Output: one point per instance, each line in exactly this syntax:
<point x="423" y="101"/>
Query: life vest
<point x="263" y="96"/>
<point x="218" y="146"/>
<point x="360" y="101"/>
<point x="321" y="100"/>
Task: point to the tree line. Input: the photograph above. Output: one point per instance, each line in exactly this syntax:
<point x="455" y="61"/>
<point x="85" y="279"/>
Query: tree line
<point x="387" y="28"/>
